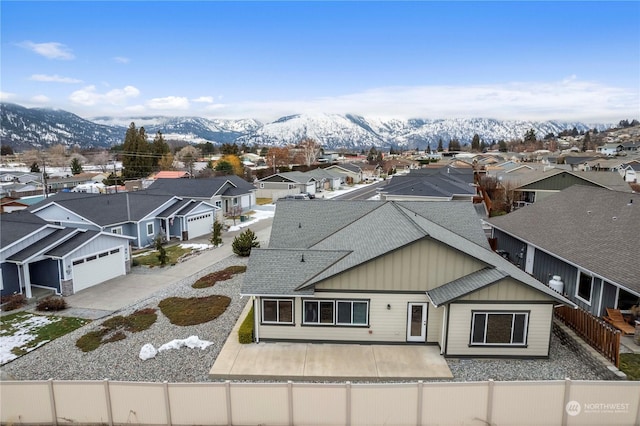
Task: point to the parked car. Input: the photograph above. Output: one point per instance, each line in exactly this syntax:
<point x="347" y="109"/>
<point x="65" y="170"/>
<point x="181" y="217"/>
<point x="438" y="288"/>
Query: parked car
<point x="295" y="197"/>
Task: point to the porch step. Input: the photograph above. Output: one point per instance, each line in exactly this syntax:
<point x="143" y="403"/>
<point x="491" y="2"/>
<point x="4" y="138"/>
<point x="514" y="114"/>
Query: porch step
<point x="37" y="294"/>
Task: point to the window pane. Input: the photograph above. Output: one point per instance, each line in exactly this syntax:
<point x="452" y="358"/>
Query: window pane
<point x="359" y="312"/>
<point x="584" y="287"/>
<point x="518" y="328"/>
<point x="269" y="313"/>
<point x="478" y="328"/>
<point x="326" y="312"/>
<point x="499" y="328"/>
<point x="344" y="312"/>
<point x="310" y="312"/>
<point x="286" y="311"/>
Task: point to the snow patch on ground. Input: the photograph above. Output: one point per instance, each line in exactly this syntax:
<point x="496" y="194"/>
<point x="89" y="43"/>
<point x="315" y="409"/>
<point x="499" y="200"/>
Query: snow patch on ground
<point x="196" y="246"/>
<point x="25" y="334"/>
<point x="191" y="342"/>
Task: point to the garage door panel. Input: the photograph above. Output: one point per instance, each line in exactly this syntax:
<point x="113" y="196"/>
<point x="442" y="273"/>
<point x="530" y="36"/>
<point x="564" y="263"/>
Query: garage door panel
<point x="200" y="225"/>
<point x="95" y="269"/>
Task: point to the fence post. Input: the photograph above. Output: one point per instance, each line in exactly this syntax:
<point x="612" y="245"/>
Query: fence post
<point x="290" y="397"/>
<point x="167" y="402"/>
<point x="348" y="390"/>
<point x="52" y="401"/>
<point x="567" y="395"/>
<point x="107" y="394"/>
<point x="490" y="401"/>
<point x="227" y="385"/>
<point x="419" y="411"/>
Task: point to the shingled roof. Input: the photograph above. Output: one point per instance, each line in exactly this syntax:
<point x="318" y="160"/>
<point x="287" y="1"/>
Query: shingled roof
<point x="596" y="229"/>
<point x="335" y="236"/>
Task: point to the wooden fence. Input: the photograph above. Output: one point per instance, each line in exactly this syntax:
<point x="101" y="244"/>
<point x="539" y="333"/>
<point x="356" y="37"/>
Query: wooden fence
<point x="597" y="333"/>
<point x="559" y="402"/>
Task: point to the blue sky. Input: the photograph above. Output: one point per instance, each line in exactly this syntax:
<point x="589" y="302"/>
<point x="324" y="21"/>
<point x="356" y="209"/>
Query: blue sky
<point x="573" y="61"/>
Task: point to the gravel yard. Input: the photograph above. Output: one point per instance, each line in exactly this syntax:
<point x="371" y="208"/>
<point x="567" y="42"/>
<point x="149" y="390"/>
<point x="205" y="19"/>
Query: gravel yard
<point x="62" y="360"/>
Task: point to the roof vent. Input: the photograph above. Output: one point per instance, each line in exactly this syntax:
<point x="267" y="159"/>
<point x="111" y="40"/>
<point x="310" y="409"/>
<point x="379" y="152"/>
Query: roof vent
<point x="630" y="202"/>
<point x="614" y="218"/>
<point x="302" y="258"/>
<point x="588" y="211"/>
<point x="299" y="224"/>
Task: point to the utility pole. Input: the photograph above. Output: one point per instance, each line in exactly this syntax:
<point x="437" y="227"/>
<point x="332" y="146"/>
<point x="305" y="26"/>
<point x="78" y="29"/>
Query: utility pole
<point x="44" y="176"/>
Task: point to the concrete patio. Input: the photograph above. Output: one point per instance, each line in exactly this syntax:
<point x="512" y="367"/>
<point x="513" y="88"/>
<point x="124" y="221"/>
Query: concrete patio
<point x="326" y="361"/>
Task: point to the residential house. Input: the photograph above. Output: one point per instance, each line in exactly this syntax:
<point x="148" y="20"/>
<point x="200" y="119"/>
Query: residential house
<point x="586" y="235"/>
<point x="35" y="253"/>
<point x="394" y="272"/>
<point x="140" y="215"/>
<point x="610" y="149"/>
<point x="66" y="183"/>
<point x="230" y="194"/>
<point x="431" y="184"/>
<point x="171" y="174"/>
<point x="326" y="180"/>
<point x="282" y="184"/>
<point x="631" y="146"/>
<point x="11" y="204"/>
<point x="351" y="173"/>
<point x="630" y="171"/>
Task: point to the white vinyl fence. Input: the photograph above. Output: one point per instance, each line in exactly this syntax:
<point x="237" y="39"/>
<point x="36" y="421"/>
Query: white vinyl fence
<point x="434" y="403"/>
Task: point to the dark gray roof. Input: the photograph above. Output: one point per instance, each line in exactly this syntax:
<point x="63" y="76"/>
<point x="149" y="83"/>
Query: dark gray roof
<point x="72" y="243"/>
<point x="360" y="231"/>
<point x="594" y="228"/>
<point x="464" y="285"/>
<point x="346" y="166"/>
<point x="230" y="185"/>
<point x="432" y="183"/>
<point x="45" y="243"/>
<point x="17" y="225"/>
<point x="296" y="177"/>
<point x="174" y="208"/>
<point x="108" y="209"/>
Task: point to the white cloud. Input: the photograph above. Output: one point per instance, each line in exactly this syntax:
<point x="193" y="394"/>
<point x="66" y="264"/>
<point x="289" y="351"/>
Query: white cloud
<point x="204" y="99"/>
<point x="122" y="60"/>
<point x="54" y="79"/>
<point x="51" y="50"/>
<point x="169" y="103"/>
<point x="88" y="96"/>
<point x="40" y="99"/>
<point x="6" y="96"/>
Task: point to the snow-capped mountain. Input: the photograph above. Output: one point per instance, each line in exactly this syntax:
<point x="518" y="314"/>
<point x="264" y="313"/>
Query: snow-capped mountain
<point x="24" y="128"/>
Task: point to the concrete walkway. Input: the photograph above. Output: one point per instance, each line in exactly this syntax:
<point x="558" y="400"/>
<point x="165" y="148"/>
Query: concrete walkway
<point x="325" y="361"/>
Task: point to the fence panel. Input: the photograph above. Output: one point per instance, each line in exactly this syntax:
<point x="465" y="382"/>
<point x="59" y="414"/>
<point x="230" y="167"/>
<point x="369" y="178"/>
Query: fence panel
<point x="198" y="404"/>
<point x="454" y="403"/>
<point x="603" y="403"/>
<point x="138" y="403"/>
<point x="25" y="402"/>
<point x="526" y="403"/>
<point x="597" y="333"/>
<point x="81" y="402"/>
<point x="384" y="404"/>
<point x="315" y="405"/>
<point x="256" y="403"/>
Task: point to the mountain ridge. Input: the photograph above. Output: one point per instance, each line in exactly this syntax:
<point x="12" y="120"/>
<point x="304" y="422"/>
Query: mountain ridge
<point x="36" y="128"/>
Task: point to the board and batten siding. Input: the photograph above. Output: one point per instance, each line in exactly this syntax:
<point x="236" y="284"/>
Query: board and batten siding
<point x="385" y="325"/>
<point x="538" y="330"/>
<point x="421" y="266"/>
<point x="507" y="289"/>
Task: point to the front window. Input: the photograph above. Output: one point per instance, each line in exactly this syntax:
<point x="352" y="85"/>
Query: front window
<point x="499" y="328"/>
<point x="117" y="231"/>
<point x="149" y="228"/>
<point x="336" y="312"/>
<point x="277" y="311"/>
<point x="585" y="287"/>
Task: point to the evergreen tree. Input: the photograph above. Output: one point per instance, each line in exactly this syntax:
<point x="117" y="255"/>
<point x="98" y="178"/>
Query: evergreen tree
<point x="76" y="167"/>
<point x="6" y="150"/>
<point x="216" y="234"/>
<point x="440" y="146"/>
<point x="162" y="252"/>
<point x="35" y="167"/>
<point x="454" y="145"/>
<point x="586" y="142"/>
<point x="475" y="143"/>
<point x="530" y="137"/>
<point x="160" y="148"/>
<point x="264" y="151"/>
<point x="244" y="242"/>
<point x="502" y="146"/>
<point x="137" y="160"/>
<point x="228" y="149"/>
<point x="224" y="167"/>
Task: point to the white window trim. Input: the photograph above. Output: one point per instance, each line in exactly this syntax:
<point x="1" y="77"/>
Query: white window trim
<point x="352" y="324"/>
<point x="486" y="323"/>
<point x="588" y="302"/>
<point x="117" y="230"/>
<point x="334" y="322"/>
<point x="152" y="228"/>
<point x="277" y="311"/>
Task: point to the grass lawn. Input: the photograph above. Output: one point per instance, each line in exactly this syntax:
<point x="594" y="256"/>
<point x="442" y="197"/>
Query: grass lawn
<point x="150" y="258"/>
<point x="194" y="310"/>
<point x="211" y="279"/>
<point x="263" y="201"/>
<point x="630" y="365"/>
<point x="23" y="332"/>
<point x="113" y="329"/>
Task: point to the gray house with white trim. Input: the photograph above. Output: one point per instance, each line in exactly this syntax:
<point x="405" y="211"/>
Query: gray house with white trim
<point x="375" y="272"/>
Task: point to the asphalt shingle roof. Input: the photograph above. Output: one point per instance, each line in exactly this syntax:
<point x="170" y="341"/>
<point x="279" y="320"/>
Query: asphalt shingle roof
<point x="594" y="228"/>
<point x="464" y="285"/>
<point x="45" y="243"/>
<point x="17" y="225"/>
<point x="201" y="188"/>
<point x="72" y="243"/>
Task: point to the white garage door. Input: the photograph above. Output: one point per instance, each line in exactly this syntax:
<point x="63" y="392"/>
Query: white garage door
<point x="200" y="225"/>
<point x="93" y="270"/>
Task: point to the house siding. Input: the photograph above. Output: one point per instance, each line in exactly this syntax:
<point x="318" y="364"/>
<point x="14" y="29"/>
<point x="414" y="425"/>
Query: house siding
<point x="515" y="248"/>
<point x="10" y="279"/>
<point x="608" y="297"/>
<point x="556" y="183"/>
<point x="55" y="213"/>
<point x="507" y="290"/>
<point x="385" y="325"/>
<point x="421" y="266"/>
<point x="45" y="273"/>
<point x="538" y="330"/>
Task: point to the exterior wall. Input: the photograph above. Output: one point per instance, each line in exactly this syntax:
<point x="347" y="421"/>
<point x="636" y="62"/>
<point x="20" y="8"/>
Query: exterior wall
<point x="507" y="290"/>
<point x="556" y="183"/>
<point x="538" y="330"/>
<point x="45" y="273"/>
<point x="10" y="280"/>
<point x="385" y="325"/>
<point x="434" y="324"/>
<point x="609" y="292"/>
<point x="55" y="213"/>
<point x="515" y="248"/>
<point x="421" y="266"/>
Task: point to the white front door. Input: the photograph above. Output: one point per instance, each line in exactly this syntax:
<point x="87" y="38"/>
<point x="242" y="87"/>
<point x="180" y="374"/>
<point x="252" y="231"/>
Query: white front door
<point x="416" y="322"/>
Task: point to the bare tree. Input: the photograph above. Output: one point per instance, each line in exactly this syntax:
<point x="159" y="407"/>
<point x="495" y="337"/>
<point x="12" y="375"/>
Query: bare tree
<point x="188" y="156"/>
<point x="309" y="150"/>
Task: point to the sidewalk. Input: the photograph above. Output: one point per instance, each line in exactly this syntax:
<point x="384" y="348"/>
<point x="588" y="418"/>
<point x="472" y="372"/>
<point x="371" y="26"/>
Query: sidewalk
<point x="118" y="293"/>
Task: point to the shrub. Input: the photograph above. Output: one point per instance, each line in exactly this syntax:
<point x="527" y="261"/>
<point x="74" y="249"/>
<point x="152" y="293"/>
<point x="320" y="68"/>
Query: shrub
<point x="216" y="234"/>
<point x="243" y="243"/>
<point x="211" y="279"/>
<point x="194" y="310"/>
<point x="112" y="329"/>
<point x="245" y="332"/>
<point x="13" y="301"/>
<point x="52" y="303"/>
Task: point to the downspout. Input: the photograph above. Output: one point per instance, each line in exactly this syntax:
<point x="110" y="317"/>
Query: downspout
<point x="256" y="315"/>
<point x="445" y="318"/>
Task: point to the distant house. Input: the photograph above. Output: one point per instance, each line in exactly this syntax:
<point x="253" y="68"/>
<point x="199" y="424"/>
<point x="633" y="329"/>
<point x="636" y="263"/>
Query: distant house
<point x="228" y="193"/>
<point x="374" y="272"/>
<point x="351" y="173"/>
<point x="610" y="149"/>
<point x="326" y="179"/>
<point x="35" y="253"/>
<point x="140" y="215"/>
<point x="282" y="184"/>
<point x="11" y="204"/>
<point x="586" y="235"/>
<point x="431" y="184"/>
<point x="170" y="174"/>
